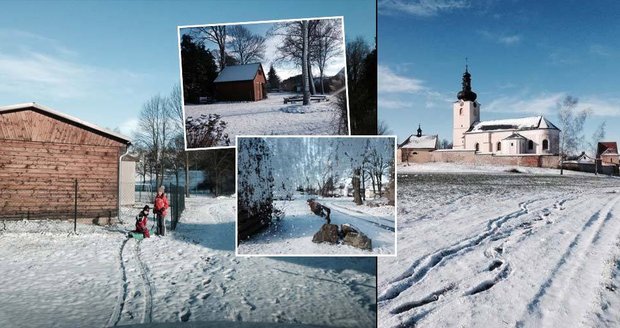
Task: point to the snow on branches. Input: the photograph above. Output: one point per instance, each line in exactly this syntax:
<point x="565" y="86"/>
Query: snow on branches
<point x="206" y="131"/>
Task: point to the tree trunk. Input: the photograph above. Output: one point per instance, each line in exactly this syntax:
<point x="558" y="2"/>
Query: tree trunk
<point x="222" y="56"/>
<point x="363" y="183"/>
<point x="357" y="198"/>
<point x="304" y="64"/>
<point x="310" y="79"/>
<point x="321" y="78"/>
<point x="186" y="174"/>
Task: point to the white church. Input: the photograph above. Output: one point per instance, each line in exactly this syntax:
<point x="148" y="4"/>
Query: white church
<point x="528" y="135"/>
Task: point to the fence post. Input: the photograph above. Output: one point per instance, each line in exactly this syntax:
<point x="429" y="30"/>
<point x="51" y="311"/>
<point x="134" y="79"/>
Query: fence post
<point x="75" y="207"/>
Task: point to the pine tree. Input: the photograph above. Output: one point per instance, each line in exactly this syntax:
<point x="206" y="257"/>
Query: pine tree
<point x="199" y="70"/>
<point x="273" y="79"/>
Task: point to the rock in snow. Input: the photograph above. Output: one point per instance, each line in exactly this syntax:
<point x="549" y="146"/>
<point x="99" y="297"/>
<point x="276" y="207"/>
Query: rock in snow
<point x="351" y="236"/>
<point x="327" y="234"/>
<point x="357" y="239"/>
<point x="354" y="237"/>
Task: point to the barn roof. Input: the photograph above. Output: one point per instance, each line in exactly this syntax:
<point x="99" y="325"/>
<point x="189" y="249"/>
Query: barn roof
<point x="62" y="116"/>
<point x="607" y="148"/>
<point x="233" y="73"/>
<point x="525" y="123"/>
<point x="423" y="142"/>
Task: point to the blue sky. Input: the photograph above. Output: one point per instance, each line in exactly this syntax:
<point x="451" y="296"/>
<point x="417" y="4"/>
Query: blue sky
<point x="100" y="61"/>
<point x="524" y="56"/>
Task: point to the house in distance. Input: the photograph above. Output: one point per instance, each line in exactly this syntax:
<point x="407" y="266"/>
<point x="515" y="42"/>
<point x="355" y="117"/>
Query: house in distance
<point x="241" y="83"/>
<point x="417" y="147"/>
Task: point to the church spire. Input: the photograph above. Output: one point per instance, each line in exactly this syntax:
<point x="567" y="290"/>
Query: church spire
<point x="419" y="130"/>
<point x="466" y="93"/>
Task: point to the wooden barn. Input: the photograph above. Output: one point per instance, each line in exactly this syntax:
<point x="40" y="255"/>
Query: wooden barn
<point x="44" y="152"/>
<point x="241" y="83"/>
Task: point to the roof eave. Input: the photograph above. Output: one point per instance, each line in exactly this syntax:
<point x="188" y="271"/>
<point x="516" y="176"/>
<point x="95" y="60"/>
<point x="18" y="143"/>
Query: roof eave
<point x="52" y="112"/>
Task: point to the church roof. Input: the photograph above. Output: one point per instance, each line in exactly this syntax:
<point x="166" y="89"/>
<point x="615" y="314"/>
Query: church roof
<point x="423" y="142"/>
<point x="515" y="136"/>
<point x="519" y="124"/>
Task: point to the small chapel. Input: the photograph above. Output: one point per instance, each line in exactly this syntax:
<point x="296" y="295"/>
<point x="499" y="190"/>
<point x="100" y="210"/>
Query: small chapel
<point x="520" y="136"/>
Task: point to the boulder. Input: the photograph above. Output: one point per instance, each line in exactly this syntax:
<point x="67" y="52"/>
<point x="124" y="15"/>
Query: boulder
<point x="358" y="239"/>
<point x="346" y="228"/>
<point x="327" y="234"/>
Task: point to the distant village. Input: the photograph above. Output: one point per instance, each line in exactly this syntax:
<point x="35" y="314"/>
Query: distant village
<point x="527" y="141"/>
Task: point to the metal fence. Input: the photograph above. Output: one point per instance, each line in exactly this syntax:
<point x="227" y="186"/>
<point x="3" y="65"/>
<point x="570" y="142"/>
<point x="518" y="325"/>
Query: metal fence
<point x="67" y="199"/>
<point x="177" y="204"/>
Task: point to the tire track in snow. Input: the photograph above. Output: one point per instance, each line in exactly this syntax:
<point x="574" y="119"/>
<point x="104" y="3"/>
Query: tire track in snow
<point x="148" y="290"/>
<point x="122" y="295"/>
<point x="558" y="274"/>
<point x="382" y="226"/>
<point x="420" y="268"/>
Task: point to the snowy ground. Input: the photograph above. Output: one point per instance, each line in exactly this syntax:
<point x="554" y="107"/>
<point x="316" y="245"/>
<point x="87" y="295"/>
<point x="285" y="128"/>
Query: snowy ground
<point x="503" y="250"/>
<point x="293" y="234"/>
<point x="272" y="117"/>
<point x="470" y="168"/>
<point x="98" y="278"/>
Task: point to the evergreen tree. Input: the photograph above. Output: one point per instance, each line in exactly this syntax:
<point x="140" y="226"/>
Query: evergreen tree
<point x="273" y="79"/>
<point x="199" y="70"/>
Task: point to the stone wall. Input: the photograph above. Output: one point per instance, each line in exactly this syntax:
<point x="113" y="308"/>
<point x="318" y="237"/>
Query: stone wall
<point x="471" y="157"/>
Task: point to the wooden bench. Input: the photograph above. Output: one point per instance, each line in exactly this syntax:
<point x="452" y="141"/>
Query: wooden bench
<point x="295" y="99"/>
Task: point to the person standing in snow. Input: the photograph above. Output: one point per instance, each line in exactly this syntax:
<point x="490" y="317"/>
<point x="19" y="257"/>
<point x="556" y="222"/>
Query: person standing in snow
<point x="142" y="221"/>
<point x="161" y="206"/>
<point x="320" y="210"/>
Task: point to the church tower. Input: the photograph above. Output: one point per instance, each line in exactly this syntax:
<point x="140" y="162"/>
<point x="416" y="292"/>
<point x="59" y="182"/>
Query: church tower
<point x="466" y="111"/>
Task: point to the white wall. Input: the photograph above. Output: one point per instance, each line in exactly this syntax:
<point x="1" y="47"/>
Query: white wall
<point x="464" y="114"/>
<point x="488" y="141"/>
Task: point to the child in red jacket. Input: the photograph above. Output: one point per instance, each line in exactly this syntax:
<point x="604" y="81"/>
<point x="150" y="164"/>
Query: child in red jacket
<point x="142" y="221"/>
<point x="160" y="209"/>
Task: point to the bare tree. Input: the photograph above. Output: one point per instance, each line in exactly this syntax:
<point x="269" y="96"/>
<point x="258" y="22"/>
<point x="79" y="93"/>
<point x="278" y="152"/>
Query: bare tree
<point x="297" y="36"/>
<point x="357" y="50"/>
<point x="328" y="45"/>
<point x="383" y="128"/>
<point x="215" y="34"/>
<point x="246" y="46"/>
<point x="598" y="136"/>
<point x="571" y="122"/>
<point x="304" y="64"/>
<point x="176" y="116"/>
<point x="445" y="144"/>
<point x="152" y="132"/>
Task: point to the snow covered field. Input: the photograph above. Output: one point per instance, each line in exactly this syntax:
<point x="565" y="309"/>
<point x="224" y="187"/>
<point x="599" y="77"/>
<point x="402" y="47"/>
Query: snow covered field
<point x="98" y="278"/>
<point x="272" y="117"/>
<point x="293" y="234"/>
<point x="503" y="250"/>
<point x="469" y="168"/>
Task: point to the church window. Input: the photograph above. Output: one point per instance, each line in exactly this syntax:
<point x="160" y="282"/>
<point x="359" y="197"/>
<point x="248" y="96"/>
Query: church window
<point x="460" y="111"/>
<point x="530" y="145"/>
<point x="499" y="146"/>
<point x="545" y="144"/>
<point x="477" y="146"/>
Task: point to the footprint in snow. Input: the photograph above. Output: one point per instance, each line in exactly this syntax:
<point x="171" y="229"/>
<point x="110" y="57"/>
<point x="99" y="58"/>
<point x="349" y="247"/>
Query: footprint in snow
<point x="185" y="314"/>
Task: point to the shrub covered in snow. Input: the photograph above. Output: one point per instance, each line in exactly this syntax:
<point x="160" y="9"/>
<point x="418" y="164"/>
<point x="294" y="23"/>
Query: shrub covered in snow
<point x="255" y="186"/>
<point x="206" y="131"/>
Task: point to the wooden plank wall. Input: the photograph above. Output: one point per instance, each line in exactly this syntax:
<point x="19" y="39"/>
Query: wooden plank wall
<point x="31" y="125"/>
<point x="41" y="157"/>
